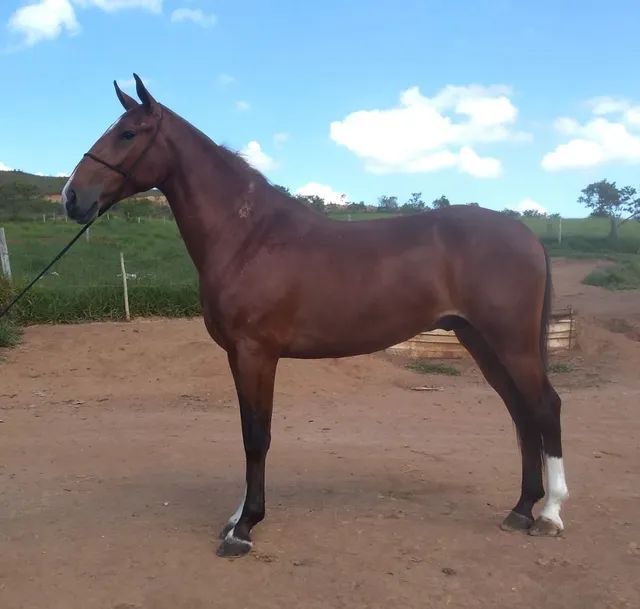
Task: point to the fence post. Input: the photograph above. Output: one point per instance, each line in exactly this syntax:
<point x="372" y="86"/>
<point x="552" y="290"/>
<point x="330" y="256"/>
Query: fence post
<point x="4" y="255"/>
<point x="87" y="236"/>
<point x="124" y="285"/>
<point x="560" y="231"/>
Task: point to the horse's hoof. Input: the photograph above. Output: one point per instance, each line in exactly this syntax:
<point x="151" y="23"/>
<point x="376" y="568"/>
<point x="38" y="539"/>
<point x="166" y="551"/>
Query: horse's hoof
<point x="543" y="527"/>
<point x="516" y="522"/>
<point x="225" y="530"/>
<point x="233" y="546"/>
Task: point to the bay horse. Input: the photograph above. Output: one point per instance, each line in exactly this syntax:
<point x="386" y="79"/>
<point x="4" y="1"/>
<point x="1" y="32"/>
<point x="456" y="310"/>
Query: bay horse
<point x="280" y="280"/>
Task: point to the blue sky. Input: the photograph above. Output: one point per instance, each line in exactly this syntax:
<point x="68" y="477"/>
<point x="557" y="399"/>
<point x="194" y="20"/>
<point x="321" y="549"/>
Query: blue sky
<point x="495" y="101"/>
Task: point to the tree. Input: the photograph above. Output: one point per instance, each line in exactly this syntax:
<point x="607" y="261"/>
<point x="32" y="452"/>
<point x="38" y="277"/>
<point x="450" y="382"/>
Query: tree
<point x="313" y="201"/>
<point x="511" y="212"/>
<point x="282" y="189"/>
<point x="441" y="202"/>
<point x="606" y="199"/>
<point x="415" y="201"/>
<point x="387" y="203"/>
<point x="533" y="213"/>
<point x="414" y="204"/>
<point x="473" y="204"/>
<point x="15" y="191"/>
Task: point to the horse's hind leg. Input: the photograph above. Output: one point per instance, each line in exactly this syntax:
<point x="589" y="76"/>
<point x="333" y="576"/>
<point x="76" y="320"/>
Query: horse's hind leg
<point x="543" y="408"/>
<point x="530" y="440"/>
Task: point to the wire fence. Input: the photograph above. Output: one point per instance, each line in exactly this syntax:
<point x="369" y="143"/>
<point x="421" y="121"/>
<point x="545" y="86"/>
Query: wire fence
<point x="87" y="284"/>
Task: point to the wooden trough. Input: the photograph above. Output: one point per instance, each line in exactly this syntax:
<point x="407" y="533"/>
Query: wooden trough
<point x="441" y="344"/>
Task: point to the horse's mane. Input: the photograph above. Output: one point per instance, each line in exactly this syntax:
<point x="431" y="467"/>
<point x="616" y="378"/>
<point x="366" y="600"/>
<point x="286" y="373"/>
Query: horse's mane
<point x="239" y="164"/>
<point x="235" y="161"/>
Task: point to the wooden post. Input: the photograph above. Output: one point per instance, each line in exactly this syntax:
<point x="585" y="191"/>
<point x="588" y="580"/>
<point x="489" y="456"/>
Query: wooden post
<point x="138" y="219"/>
<point x="87" y="236"/>
<point x="4" y="255"/>
<point x="560" y="231"/>
<point x="124" y="285"/>
<point x="44" y="218"/>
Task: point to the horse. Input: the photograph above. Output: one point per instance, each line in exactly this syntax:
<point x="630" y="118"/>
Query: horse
<point x="280" y="280"/>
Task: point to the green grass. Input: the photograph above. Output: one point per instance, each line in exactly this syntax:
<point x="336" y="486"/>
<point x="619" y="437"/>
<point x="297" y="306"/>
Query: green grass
<point x="560" y="368"/>
<point x="87" y="283"/>
<point x="10" y="334"/>
<point x="624" y="275"/>
<point x="429" y="367"/>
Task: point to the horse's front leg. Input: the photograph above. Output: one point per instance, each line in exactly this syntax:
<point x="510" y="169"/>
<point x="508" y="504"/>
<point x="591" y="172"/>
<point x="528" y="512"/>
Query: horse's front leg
<point x="254" y="371"/>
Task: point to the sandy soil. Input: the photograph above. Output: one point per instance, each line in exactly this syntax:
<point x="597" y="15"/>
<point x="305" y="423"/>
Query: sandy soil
<point x="121" y="457"/>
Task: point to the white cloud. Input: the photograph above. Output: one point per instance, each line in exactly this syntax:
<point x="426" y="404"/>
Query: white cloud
<point x="224" y="80"/>
<point x="109" y="6"/>
<point x="424" y="134"/>
<point x="195" y="15"/>
<point x="280" y="138"/>
<point x="44" y="20"/>
<point x="256" y="157"/>
<point x="611" y="135"/>
<point x="4" y="167"/>
<point x="528" y="204"/>
<point x="323" y="191"/>
<point x="242" y="105"/>
<point x="47" y="19"/>
<point x="480" y="167"/>
<point x="608" y="105"/>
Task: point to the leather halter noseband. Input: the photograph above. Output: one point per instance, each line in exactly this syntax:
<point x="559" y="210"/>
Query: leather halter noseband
<point x="127" y="175"/>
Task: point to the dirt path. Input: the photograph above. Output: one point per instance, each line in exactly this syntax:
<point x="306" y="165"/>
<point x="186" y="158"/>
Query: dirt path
<point x="120" y="458"/>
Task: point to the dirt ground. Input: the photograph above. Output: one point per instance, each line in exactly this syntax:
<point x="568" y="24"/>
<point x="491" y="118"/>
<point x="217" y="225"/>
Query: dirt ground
<point x="121" y="458"/>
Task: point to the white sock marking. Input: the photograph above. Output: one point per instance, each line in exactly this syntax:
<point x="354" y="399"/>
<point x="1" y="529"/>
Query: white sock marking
<point x="236" y="515"/>
<point x="557" y="490"/>
<point x="230" y="536"/>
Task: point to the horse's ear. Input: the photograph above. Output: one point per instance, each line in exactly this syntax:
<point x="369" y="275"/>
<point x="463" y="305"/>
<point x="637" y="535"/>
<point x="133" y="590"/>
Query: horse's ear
<point x="145" y="97"/>
<point x="127" y="101"/>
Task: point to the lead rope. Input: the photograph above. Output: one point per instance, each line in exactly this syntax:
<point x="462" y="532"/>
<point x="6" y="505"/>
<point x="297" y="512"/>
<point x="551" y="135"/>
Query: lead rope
<point x="62" y="253"/>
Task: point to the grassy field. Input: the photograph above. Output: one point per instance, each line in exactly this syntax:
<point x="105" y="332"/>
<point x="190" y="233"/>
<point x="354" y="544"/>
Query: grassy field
<point x="87" y="285"/>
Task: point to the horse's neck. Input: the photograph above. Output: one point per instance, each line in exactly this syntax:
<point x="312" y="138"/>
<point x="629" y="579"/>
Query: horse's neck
<point x="213" y="202"/>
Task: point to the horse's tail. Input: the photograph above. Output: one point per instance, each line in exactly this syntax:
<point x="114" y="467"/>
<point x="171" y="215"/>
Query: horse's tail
<point x="546" y="311"/>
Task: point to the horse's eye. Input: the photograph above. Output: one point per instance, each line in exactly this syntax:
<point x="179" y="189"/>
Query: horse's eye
<point x="128" y="135"/>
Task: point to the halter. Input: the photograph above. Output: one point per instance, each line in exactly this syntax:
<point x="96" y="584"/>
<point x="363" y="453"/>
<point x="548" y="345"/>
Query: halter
<point x="127" y="175"/>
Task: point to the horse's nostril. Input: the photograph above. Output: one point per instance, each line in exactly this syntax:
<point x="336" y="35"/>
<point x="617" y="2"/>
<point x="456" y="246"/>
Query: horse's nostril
<point x="70" y="198"/>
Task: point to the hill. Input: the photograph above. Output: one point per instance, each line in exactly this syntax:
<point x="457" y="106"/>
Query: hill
<point x="46" y="185"/>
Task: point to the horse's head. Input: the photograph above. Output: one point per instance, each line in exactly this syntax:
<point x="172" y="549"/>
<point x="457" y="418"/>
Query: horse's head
<point x="126" y="160"/>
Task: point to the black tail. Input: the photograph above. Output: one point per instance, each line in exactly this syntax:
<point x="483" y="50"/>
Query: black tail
<point x="546" y="312"/>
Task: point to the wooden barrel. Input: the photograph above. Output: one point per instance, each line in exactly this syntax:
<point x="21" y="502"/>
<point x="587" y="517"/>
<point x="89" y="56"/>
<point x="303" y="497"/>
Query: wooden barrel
<point x="441" y="344"/>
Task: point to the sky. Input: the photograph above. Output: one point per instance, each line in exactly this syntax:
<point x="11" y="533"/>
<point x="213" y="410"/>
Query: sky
<point x="502" y="102"/>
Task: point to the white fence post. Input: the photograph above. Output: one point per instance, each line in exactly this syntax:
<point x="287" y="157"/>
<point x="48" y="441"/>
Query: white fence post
<point x="124" y="285"/>
<point x="560" y="231"/>
<point x="4" y="255"/>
